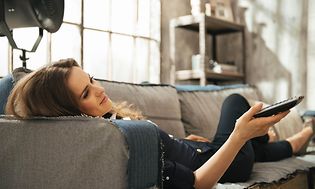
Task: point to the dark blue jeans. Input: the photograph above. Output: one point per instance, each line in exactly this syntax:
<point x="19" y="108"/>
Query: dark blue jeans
<point x="256" y="150"/>
<point x="189" y="155"/>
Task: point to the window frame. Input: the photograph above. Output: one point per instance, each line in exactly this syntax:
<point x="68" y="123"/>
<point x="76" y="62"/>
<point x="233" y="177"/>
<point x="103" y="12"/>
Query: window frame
<point x="150" y="39"/>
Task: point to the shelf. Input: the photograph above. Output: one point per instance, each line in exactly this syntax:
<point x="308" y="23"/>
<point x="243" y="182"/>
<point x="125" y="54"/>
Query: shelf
<point x="189" y="74"/>
<point x="204" y="25"/>
<point x="225" y="76"/>
<point x="210" y="75"/>
<point x="213" y="25"/>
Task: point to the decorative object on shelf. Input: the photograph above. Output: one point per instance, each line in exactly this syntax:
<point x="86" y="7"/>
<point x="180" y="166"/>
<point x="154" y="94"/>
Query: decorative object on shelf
<point x="203" y="6"/>
<point x="222" y="9"/>
<point x="218" y="8"/>
<point x="209" y="9"/>
<point x="197" y="6"/>
<point x="212" y="64"/>
<point x="222" y="68"/>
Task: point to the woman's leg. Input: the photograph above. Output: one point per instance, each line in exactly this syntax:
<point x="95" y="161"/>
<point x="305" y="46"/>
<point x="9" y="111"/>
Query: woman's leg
<point x="233" y="107"/>
<point x="275" y="151"/>
<point x="300" y="140"/>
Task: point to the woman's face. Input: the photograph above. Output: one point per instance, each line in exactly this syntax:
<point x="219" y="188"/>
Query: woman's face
<point x="89" y="94"/>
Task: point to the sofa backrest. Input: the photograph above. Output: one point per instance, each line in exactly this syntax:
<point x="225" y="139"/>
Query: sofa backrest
<point x="158" y="103"/>
<point x="180" y="110"/>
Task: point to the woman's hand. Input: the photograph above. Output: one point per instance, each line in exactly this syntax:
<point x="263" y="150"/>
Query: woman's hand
<point x="248" y="127"/>
<point x="197" y="138"/>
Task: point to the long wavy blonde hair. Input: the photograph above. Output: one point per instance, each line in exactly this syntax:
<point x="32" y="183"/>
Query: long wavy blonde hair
<point x="45" y="93"/>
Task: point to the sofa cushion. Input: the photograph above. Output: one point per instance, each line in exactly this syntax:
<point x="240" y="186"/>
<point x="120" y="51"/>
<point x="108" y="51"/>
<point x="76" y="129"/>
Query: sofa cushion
<point x="269" y="172"/>
<point x="158" y="103"/>
<point x="201" y="107"/>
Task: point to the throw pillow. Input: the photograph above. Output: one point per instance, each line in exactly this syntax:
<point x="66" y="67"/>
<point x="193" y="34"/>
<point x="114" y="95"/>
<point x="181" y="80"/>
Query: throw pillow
<point x="6" y="85"/>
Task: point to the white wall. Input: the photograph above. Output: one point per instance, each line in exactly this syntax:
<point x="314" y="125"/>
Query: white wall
<point x="277" y="42"/>
<point x="311" y="57"/>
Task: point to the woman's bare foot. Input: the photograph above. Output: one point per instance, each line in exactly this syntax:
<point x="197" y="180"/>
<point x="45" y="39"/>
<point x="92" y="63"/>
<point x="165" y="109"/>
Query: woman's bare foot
<point x="300" y="140"/>
<point x="272" y="136"/>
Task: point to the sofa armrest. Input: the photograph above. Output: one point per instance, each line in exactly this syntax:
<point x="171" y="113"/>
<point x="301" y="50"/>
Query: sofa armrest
<point x="73" y="152"/>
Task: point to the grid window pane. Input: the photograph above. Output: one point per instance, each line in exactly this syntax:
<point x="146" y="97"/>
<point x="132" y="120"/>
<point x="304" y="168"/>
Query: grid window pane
<point x="36" y="59"/>
<point x="4" y="57"/>
<point x="155" y="22"/>
<point x="122" y="58"/>
<point x="142" y="60"/>
<point x="123" y="16"/>
<point x="154" y="62"/>
<point x="96" y="14"/>
<point x="143" y="26"/>
<point x="95" y="56"/>
<point x="72" y="12"/>
<point x="120" y="37"/>
<point x="66" y="43"/>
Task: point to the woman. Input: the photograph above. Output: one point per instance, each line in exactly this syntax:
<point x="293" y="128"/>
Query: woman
<point x="64" y="89"/>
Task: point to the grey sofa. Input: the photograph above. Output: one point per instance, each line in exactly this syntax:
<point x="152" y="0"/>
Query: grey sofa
<point x="84" y="152"/>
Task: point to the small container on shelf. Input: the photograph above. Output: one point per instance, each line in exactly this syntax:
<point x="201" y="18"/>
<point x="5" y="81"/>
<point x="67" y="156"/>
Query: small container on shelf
<point x="196" y="62"/>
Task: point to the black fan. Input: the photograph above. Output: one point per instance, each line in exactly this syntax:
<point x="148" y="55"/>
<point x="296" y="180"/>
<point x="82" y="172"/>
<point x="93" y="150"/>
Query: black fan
<point x="44" y="14"/>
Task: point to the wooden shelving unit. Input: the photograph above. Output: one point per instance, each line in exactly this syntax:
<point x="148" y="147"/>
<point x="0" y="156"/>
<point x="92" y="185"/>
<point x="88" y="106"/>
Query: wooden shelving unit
<point x="204" y="25"/>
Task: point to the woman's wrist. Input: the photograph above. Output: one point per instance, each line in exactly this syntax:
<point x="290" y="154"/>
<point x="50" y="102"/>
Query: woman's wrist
<point x="237" y="138"/>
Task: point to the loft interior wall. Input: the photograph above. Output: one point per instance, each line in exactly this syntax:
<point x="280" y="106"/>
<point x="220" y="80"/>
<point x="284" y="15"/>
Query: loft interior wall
<point x="311" y="56"/>
<point x="171" y="9"/>
<point x="278" y="46"/>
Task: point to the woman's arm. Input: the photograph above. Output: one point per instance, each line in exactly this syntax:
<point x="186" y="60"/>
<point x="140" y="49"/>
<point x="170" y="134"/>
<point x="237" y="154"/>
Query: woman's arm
<point x="246" y="128"/>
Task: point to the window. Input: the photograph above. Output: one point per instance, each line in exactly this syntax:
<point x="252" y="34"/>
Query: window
<point x="111" y="39"/>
